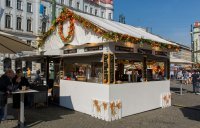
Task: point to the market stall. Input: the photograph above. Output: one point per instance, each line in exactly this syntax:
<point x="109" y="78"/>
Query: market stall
<point x="109" y="70"/>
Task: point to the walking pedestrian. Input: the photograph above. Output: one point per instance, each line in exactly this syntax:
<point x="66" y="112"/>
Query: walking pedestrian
<point x="195" y="77"/>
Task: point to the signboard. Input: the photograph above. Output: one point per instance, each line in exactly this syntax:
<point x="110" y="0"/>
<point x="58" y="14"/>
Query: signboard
<point x="160" y="53"/>
<point x="126" y="49"/>
<point x="94" y="48"/>
<point x="70" y="51"/>
<point x="144" y="51"/>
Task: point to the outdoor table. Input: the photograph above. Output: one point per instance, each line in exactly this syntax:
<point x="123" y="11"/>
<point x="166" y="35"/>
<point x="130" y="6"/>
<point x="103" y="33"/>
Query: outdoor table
<point x="181" y="87"/>
<point x="22" y="92"/>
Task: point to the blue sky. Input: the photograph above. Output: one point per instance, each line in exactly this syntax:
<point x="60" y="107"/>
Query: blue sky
<point x="169" y="18"/>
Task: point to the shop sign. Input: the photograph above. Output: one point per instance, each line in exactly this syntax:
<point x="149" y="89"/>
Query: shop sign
<point x="70" y="51"/>
<point x="125" y="49"/>
<point x="144" y="51"/>
<point x="160" y="53"/>
<point x="94" y="48"/>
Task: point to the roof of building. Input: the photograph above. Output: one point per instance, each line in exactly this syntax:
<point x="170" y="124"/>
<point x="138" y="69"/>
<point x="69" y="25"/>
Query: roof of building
<point x="111" y="30"/>
<point x="122" y="28"/>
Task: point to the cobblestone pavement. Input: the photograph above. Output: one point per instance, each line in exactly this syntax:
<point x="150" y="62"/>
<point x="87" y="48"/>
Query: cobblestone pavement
<point x="172" y="117"/>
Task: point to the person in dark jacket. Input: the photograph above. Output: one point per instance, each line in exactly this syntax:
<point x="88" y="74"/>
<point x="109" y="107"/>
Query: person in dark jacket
<point x="18" y="81"/>
<point x="5" y="89"/>
<point x="195" y="77"/>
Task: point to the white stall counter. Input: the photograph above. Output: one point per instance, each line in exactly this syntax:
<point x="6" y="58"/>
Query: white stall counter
<point x="123" y="99"/>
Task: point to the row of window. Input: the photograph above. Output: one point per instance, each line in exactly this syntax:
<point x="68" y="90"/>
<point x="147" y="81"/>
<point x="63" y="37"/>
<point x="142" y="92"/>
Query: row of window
<point x="20" y="5"/>
<point x="96" y="12"/>
<point x="19" y="24"/>
<point x="86" y="9"/>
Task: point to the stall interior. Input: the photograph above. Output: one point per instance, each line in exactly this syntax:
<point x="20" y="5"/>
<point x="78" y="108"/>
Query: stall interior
<point x="86" y="72"/>
<point x="133" y="71"/>
<point x="128" y="71"/>
<point x="155" y="71"/>
<point x="128" y="68"/>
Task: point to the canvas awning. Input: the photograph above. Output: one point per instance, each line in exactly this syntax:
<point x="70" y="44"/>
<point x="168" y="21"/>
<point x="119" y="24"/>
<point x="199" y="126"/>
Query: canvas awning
<point x="180" y="61"/>
<point x="12" y="44"/>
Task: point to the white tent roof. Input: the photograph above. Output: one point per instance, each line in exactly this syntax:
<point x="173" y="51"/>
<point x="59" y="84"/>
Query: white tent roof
<point x="122" y="28"/>
<point x="180" y="61"/>
<point x="82" y="36"/>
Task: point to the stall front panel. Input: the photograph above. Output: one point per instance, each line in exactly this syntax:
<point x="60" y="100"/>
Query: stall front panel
<point x="111" y="102"/>
<point x="80" y="95"/>
<point x="140" y="97"/>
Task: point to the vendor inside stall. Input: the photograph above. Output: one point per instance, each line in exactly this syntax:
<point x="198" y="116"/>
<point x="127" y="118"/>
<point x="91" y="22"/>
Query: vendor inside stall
<point x="128" y="71"/>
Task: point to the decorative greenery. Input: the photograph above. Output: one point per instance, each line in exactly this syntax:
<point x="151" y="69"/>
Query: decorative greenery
<point x="67" y="14"/>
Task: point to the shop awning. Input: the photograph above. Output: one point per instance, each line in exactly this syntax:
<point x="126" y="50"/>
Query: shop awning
<point x="12" y="44"/>
<point x="76" y="28"/>
<point x="180" y="61"/>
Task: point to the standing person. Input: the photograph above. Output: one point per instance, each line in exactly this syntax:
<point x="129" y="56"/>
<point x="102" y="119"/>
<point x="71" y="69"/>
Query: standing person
<point x="186" y="77"/>
<point x="37" y="77"/>
<point x="24" y="71"/>
<point x="195" y="77"/>
<point x="5" y="88"/>
<point x="29" y="74"/>
<point x="18" y="81"/>
<point x="180" y="75"/>
<point x="190" y="77"/>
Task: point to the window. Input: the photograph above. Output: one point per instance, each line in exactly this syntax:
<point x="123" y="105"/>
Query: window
<point x="95" y="13"/>
<point x="8" y="3"/>
<point x="29" y="25"/>
<point x="91" y="10"/>
<point x="86" y="8"/>
<point x="19" y="4"/>
<point x="8" y="21"/>
<point x="110" y="16"/>
<point x="29" y="42"/>
<point x="70" y="3"/>
<point x="44" y="27"/>
<point x="29" y="7"/>
<point x="62" y="1"/>
<point x="77" y="5"/>
<point x="102" y="14"/>
<point x="19" y="23"/>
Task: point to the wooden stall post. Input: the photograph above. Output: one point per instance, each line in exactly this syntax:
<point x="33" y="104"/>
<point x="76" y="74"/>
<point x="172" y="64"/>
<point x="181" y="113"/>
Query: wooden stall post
<point x="144" y="68"/>
<point x="108" y="68"/>
<point x="105" y="68"/>
<point x="47" y="70"/>
<point x="112" y="68"/>
<point x="61" y="69"/>
<point x="168" y="69"/>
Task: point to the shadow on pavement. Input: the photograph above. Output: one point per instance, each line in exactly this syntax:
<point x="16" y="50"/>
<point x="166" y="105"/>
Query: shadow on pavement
<point x="192" y="113"/>
<point x="35" y="116"/>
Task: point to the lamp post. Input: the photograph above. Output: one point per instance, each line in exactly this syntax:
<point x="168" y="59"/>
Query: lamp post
<point x="192" y="43"/>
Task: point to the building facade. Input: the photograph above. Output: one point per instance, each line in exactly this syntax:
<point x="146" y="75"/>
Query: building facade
<point x="195" y="41"/>
<point x="28" y="19"/>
